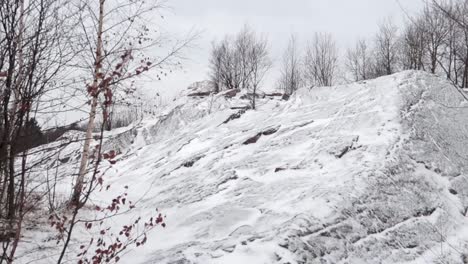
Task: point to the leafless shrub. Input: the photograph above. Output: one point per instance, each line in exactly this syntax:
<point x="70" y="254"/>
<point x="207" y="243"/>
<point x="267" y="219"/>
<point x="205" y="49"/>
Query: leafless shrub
<point x="321" y="61"/>
<point x="291" y="71"/>
<point x="240" y="62"/>
<point x="456" y="43"/>
<point x="386" y="49"/>
<point x="359" y="61"/>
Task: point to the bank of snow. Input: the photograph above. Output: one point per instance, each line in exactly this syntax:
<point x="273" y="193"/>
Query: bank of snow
<point x="371" y="172"/>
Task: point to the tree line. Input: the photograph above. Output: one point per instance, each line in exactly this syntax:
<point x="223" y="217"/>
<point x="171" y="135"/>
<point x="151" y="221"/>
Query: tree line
<point x="434" y="40"/>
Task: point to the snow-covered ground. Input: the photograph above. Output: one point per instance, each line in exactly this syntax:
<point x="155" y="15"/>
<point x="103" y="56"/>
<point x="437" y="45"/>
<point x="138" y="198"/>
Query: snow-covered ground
<point x="371" y="172"/>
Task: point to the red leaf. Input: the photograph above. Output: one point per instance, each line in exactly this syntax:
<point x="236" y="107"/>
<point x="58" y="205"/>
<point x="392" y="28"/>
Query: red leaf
<point x="159" y="219"/>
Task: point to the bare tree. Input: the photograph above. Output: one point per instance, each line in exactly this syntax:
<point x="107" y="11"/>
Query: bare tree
<point x="244" y="43"/>
<point x="456" y="12"/>
<point x="449" y="54"/>
<point x="118" y="44"/>
<point x="386" y="49"/>
<point x="239" y="62"/>
<point x="117" y="38"/>
<point x="291" y="73"/>
<point x="413" y="46"/>
<point x="94" y="93"/>
<point x="224" y="65"/>
<point x="435" y="32"/>
<point x="321" y="60"/>
<point x="358" y="61"/>
<point x="260" y="64"/>
<point x="40" y="41"/>
<point x="33" y="51"/>
<point x="216" y="64"/>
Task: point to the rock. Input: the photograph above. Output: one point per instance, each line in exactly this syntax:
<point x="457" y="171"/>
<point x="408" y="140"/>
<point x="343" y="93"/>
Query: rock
<point x="200" y="89"/>
<point x="199" y="94"/>
<point x="274" y="95"/>
<point x="253" y="139"/>
<point x="345" y="147"/>
<point x="234" y="116"/>
<point x="64" y="160"/>
<point x="191" y="162"/>
<point x="246" y="107"/>
<point x="270" y="131"/>
<point x="231" y="93"/>
<point x="249" y="96"/>
<point x="229" y="249"/>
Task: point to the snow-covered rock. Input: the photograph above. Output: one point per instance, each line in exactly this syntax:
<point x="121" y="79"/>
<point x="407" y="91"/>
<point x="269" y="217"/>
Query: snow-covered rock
<point x="371" y="172"/>
<point x="202" y="88"/>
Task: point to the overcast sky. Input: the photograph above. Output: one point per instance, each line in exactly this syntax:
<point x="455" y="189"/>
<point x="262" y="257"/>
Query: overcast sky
<point x="278" y="19"/>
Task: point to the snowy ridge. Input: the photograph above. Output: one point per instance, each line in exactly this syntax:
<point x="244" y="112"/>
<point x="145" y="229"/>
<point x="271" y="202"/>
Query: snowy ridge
<point x="371" y="172"/>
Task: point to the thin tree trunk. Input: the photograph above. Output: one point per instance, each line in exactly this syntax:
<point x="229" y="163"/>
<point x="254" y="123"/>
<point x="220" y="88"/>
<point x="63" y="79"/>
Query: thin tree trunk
<point x="21" y="203"/>
<point x="434" y="61"/>
<point x="254" y="97"/>
<point x="75" y="199"/>
<point x="9" y="148"/>
<point x="465" y="85"/>
<point x="3" y="193"/>
<point x="465" y="74"/>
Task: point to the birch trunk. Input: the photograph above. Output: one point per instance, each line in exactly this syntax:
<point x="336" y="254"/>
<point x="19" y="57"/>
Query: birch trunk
<point x="75" y="199"/>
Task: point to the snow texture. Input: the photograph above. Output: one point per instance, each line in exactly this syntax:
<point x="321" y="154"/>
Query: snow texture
<point x="371" y="172"/>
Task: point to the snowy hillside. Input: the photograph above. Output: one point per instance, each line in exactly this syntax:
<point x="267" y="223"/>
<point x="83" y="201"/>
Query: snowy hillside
<point x="372" y="172"/>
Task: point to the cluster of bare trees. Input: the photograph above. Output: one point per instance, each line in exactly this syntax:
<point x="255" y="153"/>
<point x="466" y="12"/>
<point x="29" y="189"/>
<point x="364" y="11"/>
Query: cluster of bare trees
<point x="240" y="62"/>
<point x="448" y="36"/>
<point x="359" y="61"/>
<point x="321" y="61"/>
<point x="436" y="41"/>
<point x="93" y="50"/>
<point x="371" y="59"/>
<point x="318" y="67"/>
<point x="33" y="50"/>
<point x="291" y="73"/>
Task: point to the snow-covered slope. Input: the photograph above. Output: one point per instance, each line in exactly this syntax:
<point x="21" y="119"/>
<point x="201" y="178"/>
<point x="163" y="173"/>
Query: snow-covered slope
<point x="371" y="172"/>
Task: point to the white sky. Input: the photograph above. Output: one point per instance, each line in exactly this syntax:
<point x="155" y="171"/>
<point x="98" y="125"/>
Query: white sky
<point x="278" y="19"/>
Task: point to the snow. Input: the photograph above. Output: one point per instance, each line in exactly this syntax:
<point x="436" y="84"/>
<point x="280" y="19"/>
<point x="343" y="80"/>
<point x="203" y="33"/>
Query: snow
<point x="358" y="173"/>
